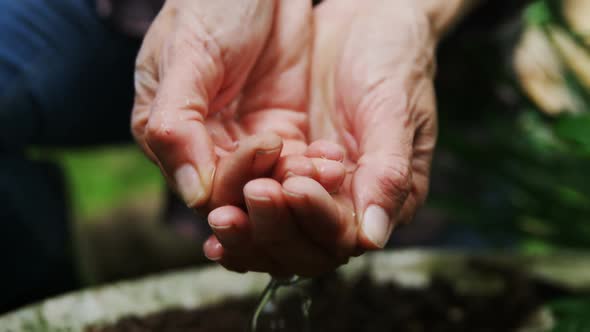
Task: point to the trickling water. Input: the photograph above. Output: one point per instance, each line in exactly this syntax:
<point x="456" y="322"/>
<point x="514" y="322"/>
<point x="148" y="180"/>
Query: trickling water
<point x="305" y="306"/>
<point x="269" y="307"/>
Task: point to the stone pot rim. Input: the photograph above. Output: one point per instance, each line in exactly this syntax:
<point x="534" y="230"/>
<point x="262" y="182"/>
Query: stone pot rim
<point x="201" y="286"/>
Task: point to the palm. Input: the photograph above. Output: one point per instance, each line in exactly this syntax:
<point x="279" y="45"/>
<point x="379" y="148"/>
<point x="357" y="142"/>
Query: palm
<point x="205" y="84"/>
<point x="371" y="94"/>
<point x="274" y="96"/>
<point x="355" y="72"/>
<point x="273" y="99"/>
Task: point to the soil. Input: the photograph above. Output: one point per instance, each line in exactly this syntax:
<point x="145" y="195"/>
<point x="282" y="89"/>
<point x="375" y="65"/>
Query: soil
<point x="367" y="306"/>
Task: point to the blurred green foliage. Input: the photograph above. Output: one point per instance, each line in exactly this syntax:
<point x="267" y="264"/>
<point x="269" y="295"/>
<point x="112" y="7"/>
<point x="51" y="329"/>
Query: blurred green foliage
<point x="102" y="179"/>
<point x="508" y="169"/>
<point x="503" y="167"/>
<point x="571" y="315"/>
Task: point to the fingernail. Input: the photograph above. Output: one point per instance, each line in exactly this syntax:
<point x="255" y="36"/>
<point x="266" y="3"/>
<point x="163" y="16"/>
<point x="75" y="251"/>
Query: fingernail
<point x="376" y="225"/>
<point x="189" y="184"/>
<point x="213" y="250"/>
<point x="263" y="152"/>
<point x="220" y="227"/>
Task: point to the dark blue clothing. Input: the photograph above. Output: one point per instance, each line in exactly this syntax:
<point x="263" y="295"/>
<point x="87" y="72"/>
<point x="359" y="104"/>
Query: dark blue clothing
<point x="66" y="79"/>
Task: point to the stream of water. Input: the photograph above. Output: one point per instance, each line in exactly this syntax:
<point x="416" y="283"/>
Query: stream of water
<point x="269" y="307"/>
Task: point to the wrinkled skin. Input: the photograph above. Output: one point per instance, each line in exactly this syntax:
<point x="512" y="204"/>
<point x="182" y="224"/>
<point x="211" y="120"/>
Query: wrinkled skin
<point x="372" y="93"/>
<point x="328" y="163"/>
<point x="217" y="103"/>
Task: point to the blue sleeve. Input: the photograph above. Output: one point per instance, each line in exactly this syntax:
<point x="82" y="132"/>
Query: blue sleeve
<point x="64" y="75"/>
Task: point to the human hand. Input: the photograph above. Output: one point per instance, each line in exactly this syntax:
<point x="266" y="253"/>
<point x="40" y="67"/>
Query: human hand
<point x="371" y="92"/>
<point x="268" y="237"/>
<point x="221" y="93"/>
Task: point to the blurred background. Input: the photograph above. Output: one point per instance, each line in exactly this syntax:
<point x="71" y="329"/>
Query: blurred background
<point x="511" y="169"/>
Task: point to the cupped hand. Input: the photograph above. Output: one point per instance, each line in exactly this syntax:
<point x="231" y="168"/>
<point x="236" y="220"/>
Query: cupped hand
<point x="273" y="235"/>
<point x="372" y="93"/>
<point x="221" y="93"/>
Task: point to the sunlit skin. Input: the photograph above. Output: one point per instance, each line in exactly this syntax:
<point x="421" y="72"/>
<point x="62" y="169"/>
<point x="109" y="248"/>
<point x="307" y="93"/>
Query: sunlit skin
<point x="310" y="145"/>
<point x="207" y="88"/>
<point x="232" y="111"/>
<point x="372" y="93"/>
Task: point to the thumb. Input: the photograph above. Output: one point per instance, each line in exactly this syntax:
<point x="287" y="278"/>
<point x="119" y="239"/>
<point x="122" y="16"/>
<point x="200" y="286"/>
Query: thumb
<point x="383" y="179"/>
<point x="254" y="158"/>
<point x="200" y="53"/>
<point x="175" y="131"/>
<point x="381" y="186"/>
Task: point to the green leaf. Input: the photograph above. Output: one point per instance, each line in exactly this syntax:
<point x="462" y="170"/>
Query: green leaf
<point x="538" y="13"/>
<point x="572" y="314"/>
<point x="575" y="129"/>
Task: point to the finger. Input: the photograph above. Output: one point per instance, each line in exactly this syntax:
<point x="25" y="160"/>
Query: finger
<point x="419" y="187"/>
<point x="384" y="179"/>
<point x="385" y="130"/>
<point x="231" y="227"/>
<point x="381" y="185"/>
<point x="275" y="231"/>
<point x="175" y="131"/>
<point x="329" y="173"/>
<point x="424" y="144"/>
<point x="294" y="165"/>
<point x="254" y="261"/>
<point x="325" y="149"/>
<point x="294" y="146"/>
<point x="241" y="261"/>
<point x="328" y="222"/>
<point x="213" y="249"/>
<point x="275" y="97"/>
<point x="255" y="157"/>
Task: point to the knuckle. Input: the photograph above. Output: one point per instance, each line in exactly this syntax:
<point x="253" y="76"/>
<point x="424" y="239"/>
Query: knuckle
<point x="137" y="129"/>
<point x="159" y="131"/>
<point x="395" y="180"/>
<point x="139" y="119"/>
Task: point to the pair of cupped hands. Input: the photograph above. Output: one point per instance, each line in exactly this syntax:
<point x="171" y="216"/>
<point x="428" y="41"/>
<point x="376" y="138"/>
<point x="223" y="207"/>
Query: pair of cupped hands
<point x="305" y="134"/>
